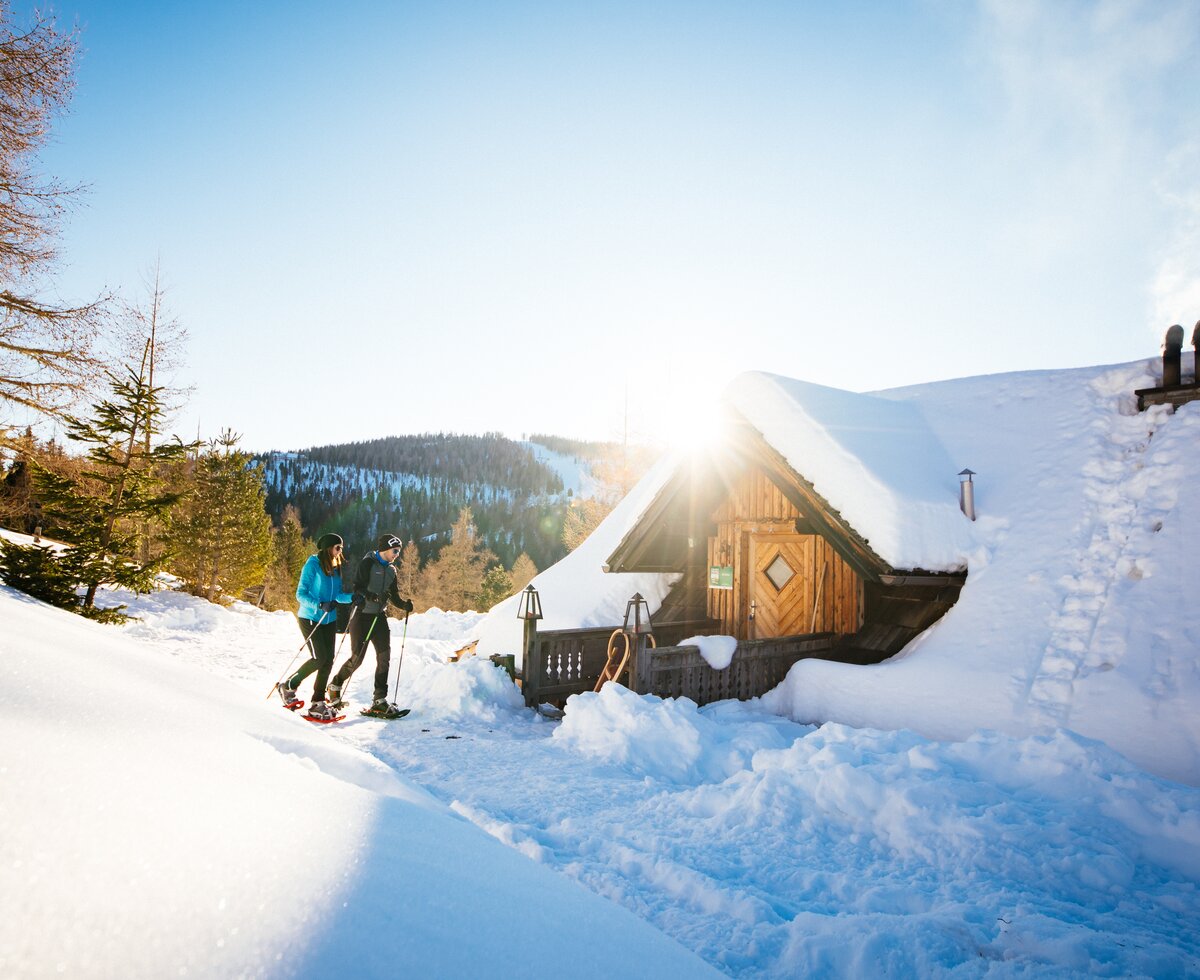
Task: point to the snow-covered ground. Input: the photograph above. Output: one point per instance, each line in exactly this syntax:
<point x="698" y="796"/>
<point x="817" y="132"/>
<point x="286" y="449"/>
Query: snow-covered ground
<point x="159" y="816"/>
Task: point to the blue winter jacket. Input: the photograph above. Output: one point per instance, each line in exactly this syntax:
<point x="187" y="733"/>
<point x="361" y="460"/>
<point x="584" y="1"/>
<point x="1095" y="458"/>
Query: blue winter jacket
<point x="316" y="587"/>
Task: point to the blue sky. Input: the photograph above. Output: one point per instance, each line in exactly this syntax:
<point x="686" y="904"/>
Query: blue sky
<point x="383" y="218"/>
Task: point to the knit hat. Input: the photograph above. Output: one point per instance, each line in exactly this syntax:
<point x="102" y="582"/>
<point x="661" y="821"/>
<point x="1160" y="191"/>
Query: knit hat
<point x="328" y="541"/>
<point x="387" y="541"/>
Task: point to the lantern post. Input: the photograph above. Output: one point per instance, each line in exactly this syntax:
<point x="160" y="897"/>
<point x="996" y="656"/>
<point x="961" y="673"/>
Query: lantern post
<point x="530" y="611"/>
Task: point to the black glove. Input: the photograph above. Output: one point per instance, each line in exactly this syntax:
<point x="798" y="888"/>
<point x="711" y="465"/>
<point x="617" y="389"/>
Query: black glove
<point x="406" y="605"/>
<point x="329" y="606"/>
<point x="358" y="599"/>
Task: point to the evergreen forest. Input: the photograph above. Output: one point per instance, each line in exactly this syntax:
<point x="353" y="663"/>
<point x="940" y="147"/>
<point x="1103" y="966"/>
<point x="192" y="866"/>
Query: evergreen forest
<point x="416" y="486"/>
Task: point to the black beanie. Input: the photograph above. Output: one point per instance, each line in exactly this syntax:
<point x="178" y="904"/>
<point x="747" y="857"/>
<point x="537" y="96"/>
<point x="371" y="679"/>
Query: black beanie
<point x="387" y="541"/>
<point x="328" y="541"/>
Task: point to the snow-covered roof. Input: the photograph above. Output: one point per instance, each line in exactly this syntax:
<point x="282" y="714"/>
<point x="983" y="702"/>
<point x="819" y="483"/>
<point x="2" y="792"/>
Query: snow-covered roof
<point x="875" y="461"/>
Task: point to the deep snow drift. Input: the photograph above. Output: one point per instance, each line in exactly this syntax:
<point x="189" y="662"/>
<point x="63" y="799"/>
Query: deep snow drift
<point x="159" y="817"/>
<point x="157" y="820"/>
<point x="1078" y="611"/>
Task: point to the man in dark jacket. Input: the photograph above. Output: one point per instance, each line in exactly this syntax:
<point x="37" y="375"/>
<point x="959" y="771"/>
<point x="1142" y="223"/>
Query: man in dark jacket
<point x="374" y="587"/>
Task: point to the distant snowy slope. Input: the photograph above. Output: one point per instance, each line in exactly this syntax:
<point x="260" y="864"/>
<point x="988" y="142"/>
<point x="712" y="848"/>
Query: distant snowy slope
<point x="575" y="474"/>
<point x="1078" y="608"/>
<point x="158" y="821"/>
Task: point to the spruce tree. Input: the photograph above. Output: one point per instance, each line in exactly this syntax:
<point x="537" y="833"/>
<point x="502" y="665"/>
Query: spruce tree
<point x="38" y="571"/>
<point x="496" y="586"/>
<point x="119" y="486"/>
<point x="221" y="534"/>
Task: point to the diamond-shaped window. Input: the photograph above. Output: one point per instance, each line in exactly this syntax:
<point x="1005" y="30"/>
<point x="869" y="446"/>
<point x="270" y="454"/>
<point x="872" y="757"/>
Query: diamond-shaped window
<point x="780" y="572"/>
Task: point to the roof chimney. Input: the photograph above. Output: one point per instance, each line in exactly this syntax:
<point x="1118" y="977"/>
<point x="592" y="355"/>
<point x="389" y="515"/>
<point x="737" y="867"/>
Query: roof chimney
<point x="1172" y="347"/>
<point x="966" y="493"/>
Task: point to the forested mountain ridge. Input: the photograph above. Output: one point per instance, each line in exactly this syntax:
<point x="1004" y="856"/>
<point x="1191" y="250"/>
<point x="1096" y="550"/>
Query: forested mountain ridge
<point x="416" y="485"/>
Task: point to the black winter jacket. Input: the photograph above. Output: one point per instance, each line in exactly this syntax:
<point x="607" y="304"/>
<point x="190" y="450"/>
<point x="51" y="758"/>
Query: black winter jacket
<point x="376" y="582"/>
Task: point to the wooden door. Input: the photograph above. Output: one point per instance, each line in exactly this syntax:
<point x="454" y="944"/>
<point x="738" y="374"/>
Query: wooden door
<point x="781" y="580"/>
<point x="798" y="585"/>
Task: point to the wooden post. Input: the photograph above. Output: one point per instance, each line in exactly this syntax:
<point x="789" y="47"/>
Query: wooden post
<point x="639" y="670"/>
<point x="1172" y="349"/>
<point x="531" y="664"/>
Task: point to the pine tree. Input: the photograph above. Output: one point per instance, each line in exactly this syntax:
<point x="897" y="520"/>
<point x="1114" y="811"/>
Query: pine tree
<point x="523" y="571"/>
<point x="291" y="548"/>
<point x="119" y="486"/>
<point x="221" y="534"/>
<point x="408" y="575"/>
<point x="455" y="580"/>
<point x="47" y="351"/>
<point x="582" y="518"/>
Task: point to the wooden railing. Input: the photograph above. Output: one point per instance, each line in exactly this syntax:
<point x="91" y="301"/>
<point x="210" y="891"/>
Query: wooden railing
<point x="756" y="667"/>
<point x="559" y="663"/>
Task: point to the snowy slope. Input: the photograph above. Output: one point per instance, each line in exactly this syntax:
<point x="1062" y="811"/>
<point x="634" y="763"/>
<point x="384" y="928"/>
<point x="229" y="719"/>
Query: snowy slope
<point x="157" y="820"/>
<point x="576" y="476"/>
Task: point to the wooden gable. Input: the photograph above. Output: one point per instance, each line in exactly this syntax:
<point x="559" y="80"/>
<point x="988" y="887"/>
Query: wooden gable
<point x="797" y="566"/>
<point x="666" y="536"/>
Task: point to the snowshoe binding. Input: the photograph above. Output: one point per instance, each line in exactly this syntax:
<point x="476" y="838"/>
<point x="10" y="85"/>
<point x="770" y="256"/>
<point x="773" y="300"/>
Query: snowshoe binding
<point x="288" y="694"/>
<point x="380" y="708"/>
<point x="322" y="713"/>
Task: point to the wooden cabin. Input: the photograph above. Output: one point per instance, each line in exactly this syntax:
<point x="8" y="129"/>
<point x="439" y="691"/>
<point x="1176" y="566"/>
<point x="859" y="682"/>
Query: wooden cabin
<point x="763" y="555"/>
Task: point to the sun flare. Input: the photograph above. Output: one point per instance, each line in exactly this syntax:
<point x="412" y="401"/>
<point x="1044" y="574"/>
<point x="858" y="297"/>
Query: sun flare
<point x="692" y="429"/>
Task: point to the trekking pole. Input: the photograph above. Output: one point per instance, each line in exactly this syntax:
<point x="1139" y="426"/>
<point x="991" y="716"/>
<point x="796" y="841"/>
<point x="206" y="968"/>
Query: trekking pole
<point x="400" y="662"/>
<point x="362" y="649"/>
<point x="288" y="670"/>
<point x="342" y="641"/>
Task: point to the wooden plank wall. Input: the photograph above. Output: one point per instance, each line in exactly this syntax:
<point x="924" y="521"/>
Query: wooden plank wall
<point x="755" y="505"/>
<point x="753" y="502"/>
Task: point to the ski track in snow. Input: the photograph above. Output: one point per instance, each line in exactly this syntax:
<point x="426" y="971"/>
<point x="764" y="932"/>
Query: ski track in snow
<point x="1115" y="510"/>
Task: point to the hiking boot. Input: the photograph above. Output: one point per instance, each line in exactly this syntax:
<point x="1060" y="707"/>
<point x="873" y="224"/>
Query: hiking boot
<point x="381" y="709"/>
<point x="335" y="694"/>
<point x="287" y="693"/>
<point x="321" y="711"/>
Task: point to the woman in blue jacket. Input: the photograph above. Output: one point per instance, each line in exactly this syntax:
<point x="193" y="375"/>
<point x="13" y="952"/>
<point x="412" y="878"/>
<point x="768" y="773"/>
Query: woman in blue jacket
<point x="319" y="592"/>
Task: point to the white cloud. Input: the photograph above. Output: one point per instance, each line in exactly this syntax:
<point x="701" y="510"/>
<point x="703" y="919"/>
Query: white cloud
<point x="1105" y="96"/>
<point x="1175" y="294"/>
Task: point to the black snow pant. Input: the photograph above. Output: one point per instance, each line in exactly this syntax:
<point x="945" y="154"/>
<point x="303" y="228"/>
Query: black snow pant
<point x="320" y="644"/>
<point x="368" y="628"/>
